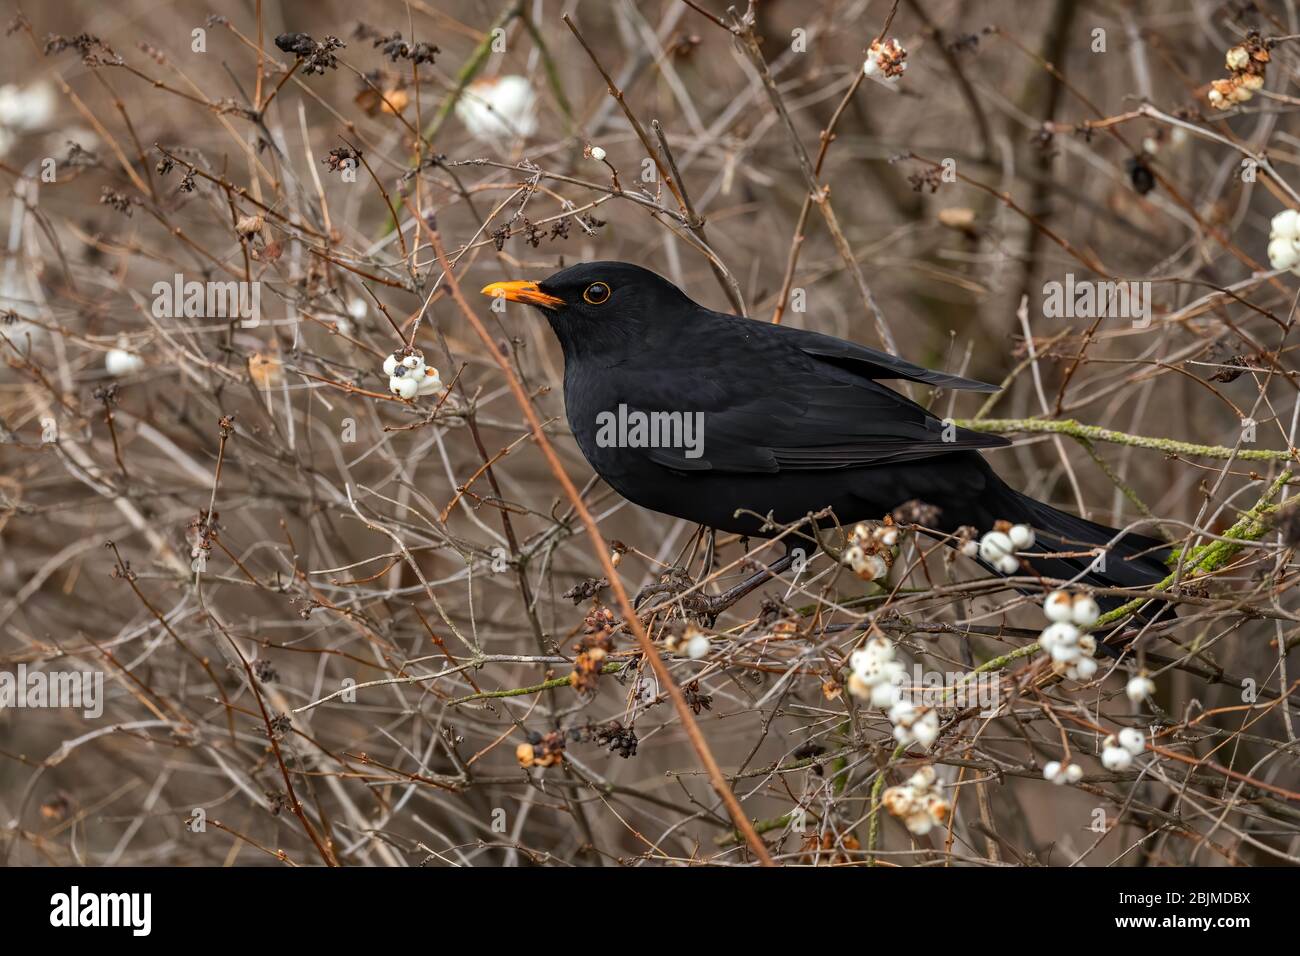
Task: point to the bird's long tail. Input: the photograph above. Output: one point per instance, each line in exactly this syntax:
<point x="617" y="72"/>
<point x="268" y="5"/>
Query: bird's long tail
<point x="1105" y="558"/>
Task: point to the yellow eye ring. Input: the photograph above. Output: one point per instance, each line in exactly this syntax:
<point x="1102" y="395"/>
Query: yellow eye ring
<point x="596" y="293"/>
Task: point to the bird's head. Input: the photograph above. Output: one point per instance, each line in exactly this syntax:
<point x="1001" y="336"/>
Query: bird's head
<point x="600" y="307"/>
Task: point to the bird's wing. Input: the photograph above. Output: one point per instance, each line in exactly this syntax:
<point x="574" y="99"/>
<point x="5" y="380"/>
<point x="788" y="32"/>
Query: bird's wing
<point x="871" y="362"/>
<point x="775" y="408"/>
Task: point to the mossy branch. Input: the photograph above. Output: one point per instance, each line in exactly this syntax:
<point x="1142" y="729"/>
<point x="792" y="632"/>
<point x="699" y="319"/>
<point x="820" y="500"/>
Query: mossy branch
<point x="1204" y="559"/>
<point x="878" y="786"/>
<point x="1207" y="558"/>
<point x="1068" y="426"/>
<point x="611" y="668"/>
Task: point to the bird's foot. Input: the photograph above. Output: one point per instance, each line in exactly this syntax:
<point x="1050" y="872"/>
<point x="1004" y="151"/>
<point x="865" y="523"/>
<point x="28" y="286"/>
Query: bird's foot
<point x="676" y="585"/>
<point x="707" y="607"/>
<point x="673" y="581"/>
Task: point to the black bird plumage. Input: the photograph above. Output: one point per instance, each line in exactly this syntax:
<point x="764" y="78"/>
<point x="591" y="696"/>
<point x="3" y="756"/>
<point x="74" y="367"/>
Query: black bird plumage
<point x="794" y="421"/>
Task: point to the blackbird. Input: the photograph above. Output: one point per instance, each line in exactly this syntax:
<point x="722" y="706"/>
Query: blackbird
<point x="742" y="425"/>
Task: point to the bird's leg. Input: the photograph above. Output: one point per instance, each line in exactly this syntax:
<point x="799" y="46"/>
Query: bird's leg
<point x="710" y="543"/>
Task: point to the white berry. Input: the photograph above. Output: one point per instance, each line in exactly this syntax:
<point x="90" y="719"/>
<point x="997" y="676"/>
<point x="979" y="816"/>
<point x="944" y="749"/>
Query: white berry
<point x="919" y="823"/>
<point x="697" y="646"/>
<point x="1022" y="536"/>
<point x="1283" y="253"/>
<point x="1060" y="634"/>
<point x="926" y="730"/>
<point x="1116" y="758"/>
<point x="429" y="382"/>
<point x="873" y="568"/>
<point x="119" y="362"/>
<point x="995" y="545"/>
<point x="1085" y="611"/>
<point x="1131" y="739"/>
<point x="886" y="536"/>
<point x="884" y="696"/>
<point x="1140" y="688"/>
<point x="1058" y="607"/>
<point x="1084" y="669"/>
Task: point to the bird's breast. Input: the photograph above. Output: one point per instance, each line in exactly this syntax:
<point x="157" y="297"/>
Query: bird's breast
<point x="587" y="394"/>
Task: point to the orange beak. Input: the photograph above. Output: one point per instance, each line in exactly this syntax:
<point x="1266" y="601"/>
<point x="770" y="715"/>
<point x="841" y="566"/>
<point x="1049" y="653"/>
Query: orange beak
<point x="522" y="290"/>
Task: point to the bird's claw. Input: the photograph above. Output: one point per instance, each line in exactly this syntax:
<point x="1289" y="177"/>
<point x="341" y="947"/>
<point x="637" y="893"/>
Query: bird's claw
<point x="706" y="607"/>
<point x="673" y="581"/>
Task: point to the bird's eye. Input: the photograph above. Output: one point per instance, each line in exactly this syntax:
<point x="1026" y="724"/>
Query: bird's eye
<point x="596" y="293"/>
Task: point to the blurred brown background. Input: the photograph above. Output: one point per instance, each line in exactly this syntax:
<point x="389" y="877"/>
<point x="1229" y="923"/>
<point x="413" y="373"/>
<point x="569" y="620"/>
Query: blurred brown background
<point x="315" y="597"/>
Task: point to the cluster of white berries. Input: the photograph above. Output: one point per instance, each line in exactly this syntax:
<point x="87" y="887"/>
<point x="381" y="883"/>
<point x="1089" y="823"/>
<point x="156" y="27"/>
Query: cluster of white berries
<point x="119" y="363"/>
<point x="1246" y="65"/>
<point x="1060" y="775"/>
<point x="23" y="109"/>
<point x="408" y="376"/>
<point x="1071" y="650"/>
<point x="998" y="547"/>
<point x="1139" y="688"/>
<point x="886" y="60"/>
<point x="917" y="803"/>
<point x="870" y="552"/>
<point x="1284" y="241"/>
<point x="1118" y="750"/>
<point x="498" y="107"/>
<point x="913" y="724"/>
<point x="875" y="674"/>
<point x="877" y="677"/>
